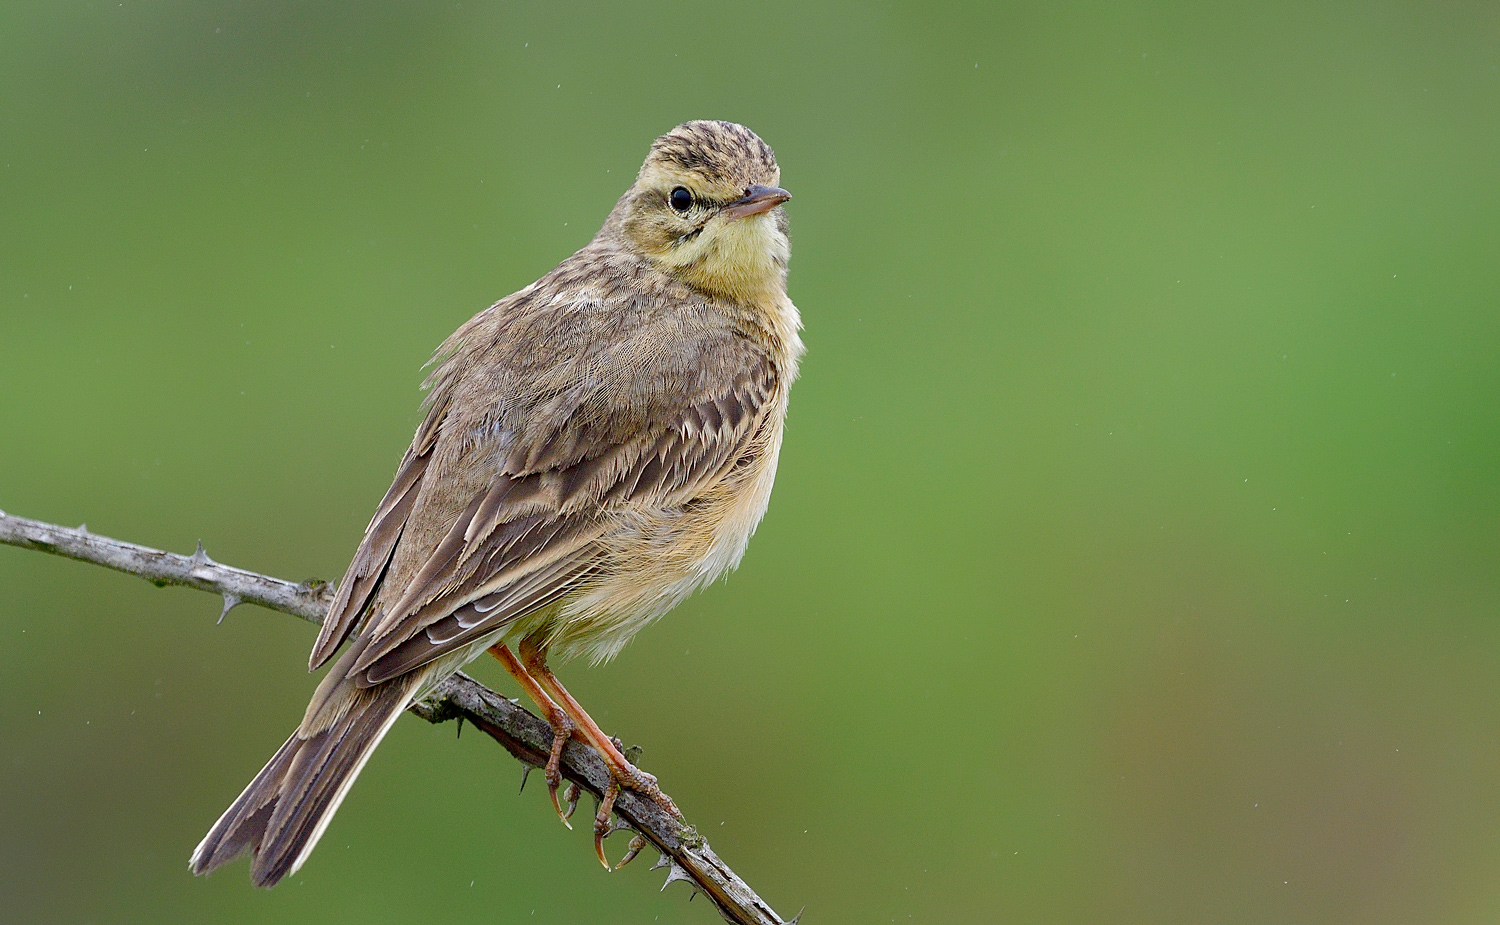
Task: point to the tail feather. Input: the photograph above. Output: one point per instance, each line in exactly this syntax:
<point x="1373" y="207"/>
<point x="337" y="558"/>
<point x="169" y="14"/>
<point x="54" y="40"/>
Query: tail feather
<point x="282" y="813"/>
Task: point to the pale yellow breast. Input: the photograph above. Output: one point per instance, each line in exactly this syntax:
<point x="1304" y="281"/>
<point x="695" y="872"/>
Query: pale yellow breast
<point x="655" y="559"/>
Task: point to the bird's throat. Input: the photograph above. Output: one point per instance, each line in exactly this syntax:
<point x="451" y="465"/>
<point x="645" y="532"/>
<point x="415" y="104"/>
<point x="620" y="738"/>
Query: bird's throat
<point x="740" y="260"/>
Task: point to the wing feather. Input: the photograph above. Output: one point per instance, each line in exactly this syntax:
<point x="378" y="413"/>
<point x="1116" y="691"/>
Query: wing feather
<point x="363" y="579"/>
<point x="532" y="535"/>
<point x="525" y="561"/>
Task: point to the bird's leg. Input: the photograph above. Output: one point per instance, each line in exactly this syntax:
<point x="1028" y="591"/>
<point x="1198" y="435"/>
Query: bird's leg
<point x="622" y="773"/>
<point x="562" y="728"/>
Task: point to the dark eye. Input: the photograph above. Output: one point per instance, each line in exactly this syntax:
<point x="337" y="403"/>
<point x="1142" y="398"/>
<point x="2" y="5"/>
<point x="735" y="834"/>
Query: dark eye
<point x="682" y="200"/>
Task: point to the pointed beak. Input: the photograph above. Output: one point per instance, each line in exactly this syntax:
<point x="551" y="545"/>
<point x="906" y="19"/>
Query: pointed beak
<point x="757" y="199"/>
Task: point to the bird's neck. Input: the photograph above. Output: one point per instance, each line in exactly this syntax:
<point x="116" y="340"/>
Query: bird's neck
<point x="750" y="291"/>
<point x="775" y="324"/>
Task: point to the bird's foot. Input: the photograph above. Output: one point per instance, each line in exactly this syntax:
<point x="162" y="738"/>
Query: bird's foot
<point x="562" y="730"/>
<point x="624" y="775"/>
<point x="603" y="828"/>
<point x="622" y="768"/>
<point x="531" y="670"/>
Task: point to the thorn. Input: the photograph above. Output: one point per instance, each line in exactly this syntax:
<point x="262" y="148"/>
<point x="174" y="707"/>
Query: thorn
<point x="82" y="528"/>
<point x="661" y="862"/>
<point x="525" y="773"/>
<point x="675" y="874"/>
<point x="798" y="917"/>
<point x="231" y="601"/>
<point x="460" y="734"/>
<point x="201" y="557"/>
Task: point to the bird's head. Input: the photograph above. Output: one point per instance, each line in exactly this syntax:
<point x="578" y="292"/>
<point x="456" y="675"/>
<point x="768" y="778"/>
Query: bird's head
<point x="705" y="208"/>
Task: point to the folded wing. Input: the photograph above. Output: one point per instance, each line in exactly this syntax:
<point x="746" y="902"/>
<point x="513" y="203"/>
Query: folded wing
<point x="531" y="536"/>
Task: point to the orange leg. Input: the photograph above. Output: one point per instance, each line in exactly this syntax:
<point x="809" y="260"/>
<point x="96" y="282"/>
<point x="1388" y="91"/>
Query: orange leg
<point x="562" y="727"/>
<point x="622" y="772"/>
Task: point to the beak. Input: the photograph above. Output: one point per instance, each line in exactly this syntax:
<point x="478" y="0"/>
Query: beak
<point x="757" y="199"/>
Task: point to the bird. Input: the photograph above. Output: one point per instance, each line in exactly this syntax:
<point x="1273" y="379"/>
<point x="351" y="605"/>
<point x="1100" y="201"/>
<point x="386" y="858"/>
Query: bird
<point x="593" y="449"/>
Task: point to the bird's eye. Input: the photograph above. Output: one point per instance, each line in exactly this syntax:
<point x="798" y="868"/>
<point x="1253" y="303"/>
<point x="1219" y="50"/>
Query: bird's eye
<point x="682" y="200"/>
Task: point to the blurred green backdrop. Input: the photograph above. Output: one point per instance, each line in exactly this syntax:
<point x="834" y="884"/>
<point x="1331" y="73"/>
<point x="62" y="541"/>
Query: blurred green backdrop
<point x="1133" y="557"/>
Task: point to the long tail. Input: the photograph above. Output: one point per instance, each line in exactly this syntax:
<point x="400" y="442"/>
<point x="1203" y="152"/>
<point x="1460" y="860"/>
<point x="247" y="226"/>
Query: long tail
<point x="282" y="814"/>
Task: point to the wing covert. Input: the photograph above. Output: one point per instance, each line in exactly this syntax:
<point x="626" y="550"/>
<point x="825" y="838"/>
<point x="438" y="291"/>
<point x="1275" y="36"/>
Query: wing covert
<point x="532" y="536"/>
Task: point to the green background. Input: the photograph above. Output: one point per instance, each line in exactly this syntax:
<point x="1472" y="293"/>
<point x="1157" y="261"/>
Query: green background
<point x="1134" y="552"/>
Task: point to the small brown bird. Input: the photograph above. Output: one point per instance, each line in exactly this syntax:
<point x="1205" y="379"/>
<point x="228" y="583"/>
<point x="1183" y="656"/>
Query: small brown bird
<point x="595" y="448"/>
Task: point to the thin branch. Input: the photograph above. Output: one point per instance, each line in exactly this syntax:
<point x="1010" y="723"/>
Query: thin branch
<point x="525" y="736"/>
<point x="308" y="600"/>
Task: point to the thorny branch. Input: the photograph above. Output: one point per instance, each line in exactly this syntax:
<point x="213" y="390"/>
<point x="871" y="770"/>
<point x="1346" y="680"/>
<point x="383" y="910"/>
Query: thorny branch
<point x="525" y="736"/>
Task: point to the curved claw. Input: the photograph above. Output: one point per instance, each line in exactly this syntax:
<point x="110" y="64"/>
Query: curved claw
<point x="571" y="795"/>
<point x="602" y="828"/>
<point x="552" y="792"/>
<point x="636" y="844"/>
<point x="562" y="729"/>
